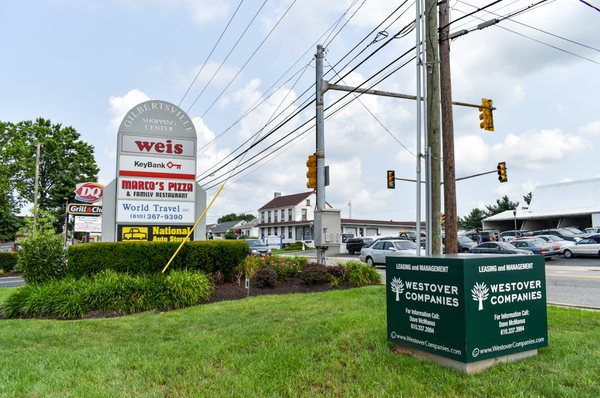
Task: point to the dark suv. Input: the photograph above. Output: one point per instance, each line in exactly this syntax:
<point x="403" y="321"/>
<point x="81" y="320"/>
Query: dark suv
<point x="353" y="245"/>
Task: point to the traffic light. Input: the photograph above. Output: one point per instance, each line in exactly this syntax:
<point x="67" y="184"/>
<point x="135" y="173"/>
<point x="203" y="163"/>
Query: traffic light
<point x="311" y="174"/>
<point x="502" y="172"/>
<point x="391" y="179"/>
<point x="485" y="115"/>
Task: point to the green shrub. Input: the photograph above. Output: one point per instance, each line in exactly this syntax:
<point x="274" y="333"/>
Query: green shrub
<point x="249" y="266"/>
<point x="300" y="261"/>
<point x="266" y="277"/>
<point x="283" y="266"/>
<point x="339" y="272"/>
<point x="41" y="258"/>
<point x="293" y="246"/>
<point x="8" y="261"/>
<point x="151" y="257"/>
<point x="109" y="291"/>
<point x="314" y="273"/>
<point x="360" y="274"/>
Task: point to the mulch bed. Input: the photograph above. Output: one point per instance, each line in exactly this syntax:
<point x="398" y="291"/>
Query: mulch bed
<point x="233" y="291"/>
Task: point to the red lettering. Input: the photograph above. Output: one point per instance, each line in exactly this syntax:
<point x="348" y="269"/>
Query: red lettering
<point x="160" y="147"/>
<point x="144" y="146"/>
<point x="178" y="149"/>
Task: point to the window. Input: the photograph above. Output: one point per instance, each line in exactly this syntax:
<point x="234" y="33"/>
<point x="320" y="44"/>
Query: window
<point x="289" y="232"/>
<point x="262" y="217"/>
<point x="303" y="214"/>
<point x="387" y="245"/>
<point x="275" y="216"/>
<point x="269" y="215"/>
<point x="282" y="215"/>
<point x="290" y="218"/>
<point x="308" y="202"/>
<point x="378" y="246"/>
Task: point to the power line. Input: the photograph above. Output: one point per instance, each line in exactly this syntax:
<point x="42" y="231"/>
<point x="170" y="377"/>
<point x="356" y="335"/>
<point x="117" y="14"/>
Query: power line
<point x="509" y="17"/>
<point x="228" y="54"/>
<point x="345" y="23"/>
<point x="588" y="4"/>
<point x="211" y="52"/>
<point x="304" y="106"/>
<point x="469" y="14"/>
<point x="250" y="58"/>
<point x="260" y="101"/>
<point x="311" y="120"/>
<point x="378" y="121"/>
<point x="494" y="22"/>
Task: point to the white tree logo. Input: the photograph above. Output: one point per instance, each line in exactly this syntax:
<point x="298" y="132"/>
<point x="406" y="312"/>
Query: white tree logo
<point x="480" y="292"/>
<point x="397" y="287"/>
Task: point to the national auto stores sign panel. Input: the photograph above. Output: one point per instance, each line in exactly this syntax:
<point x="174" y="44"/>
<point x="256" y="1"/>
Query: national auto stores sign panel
<point x="156" y="167"/>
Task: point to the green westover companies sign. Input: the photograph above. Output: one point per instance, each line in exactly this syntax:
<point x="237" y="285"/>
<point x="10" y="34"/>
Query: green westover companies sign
<point x="469" y="309"/>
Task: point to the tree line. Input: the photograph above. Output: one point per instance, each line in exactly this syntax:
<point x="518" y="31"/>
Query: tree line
<point x="65" y="160"/>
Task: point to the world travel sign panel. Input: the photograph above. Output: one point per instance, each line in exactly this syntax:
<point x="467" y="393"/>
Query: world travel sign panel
<point x="156" y="166"/>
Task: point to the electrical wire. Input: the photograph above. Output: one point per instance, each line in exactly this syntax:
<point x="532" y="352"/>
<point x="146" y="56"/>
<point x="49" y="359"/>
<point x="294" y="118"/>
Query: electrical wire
<point x="470" y="14"/>
<point x="249" y="58"/>
<point x="328" y="108"/>
<point x="227" y="56"/>
<point x="261" y="100"/>
<point x="328" y="43"/>
<point x="211" y="52"/>
<point x="588" y="4"/>
<point x="377" y="119"/>
<point x="509" y="17"/>
<point x="304" y="106"/>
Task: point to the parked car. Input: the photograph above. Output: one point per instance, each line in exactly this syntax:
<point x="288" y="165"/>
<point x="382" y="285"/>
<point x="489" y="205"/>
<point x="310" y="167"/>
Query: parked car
<point x="563" y="244"/>
<point x="465" y="244"/>
<point x="564" y="234"/>
<point x="256" y="247"/>
<point x="592" y="230"/>
<point x="382" y="248"/>
<point x="537" y="246"/>
<point x="490" y="236"/>
<point x="354" y="245"/>
<point x="589" y="246"/>
<point x="507" y="236"/>
<point x="498" y="248"/>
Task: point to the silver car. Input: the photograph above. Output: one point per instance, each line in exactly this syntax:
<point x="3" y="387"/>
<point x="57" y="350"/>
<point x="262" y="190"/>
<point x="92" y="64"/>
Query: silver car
<point x="378" y="251"/>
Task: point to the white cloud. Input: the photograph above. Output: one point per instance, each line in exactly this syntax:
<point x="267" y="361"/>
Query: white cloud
<point x="119" y="106"/>
<point x="201" y="11"/>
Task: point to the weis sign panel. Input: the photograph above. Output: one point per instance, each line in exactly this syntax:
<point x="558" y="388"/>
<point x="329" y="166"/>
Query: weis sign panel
<point x="157" y="146"/>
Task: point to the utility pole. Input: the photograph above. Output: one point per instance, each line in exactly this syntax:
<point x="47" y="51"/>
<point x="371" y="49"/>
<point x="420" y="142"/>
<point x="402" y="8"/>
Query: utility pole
<point x="451" y="239"/>
<point x="433" y="121"/>
<point x="320" y="153"/>
<point x="35" y="185"/>
<point x="66" y="222"/>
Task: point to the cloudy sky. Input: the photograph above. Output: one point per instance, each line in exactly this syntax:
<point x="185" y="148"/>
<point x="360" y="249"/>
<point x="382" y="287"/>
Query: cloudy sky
<point x="85" y="63"/>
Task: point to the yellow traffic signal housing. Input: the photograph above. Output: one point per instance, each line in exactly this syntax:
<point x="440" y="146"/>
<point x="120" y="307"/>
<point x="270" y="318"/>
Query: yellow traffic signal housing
<point x="502" y="177"/>
<point x="485" y="115"/>
<point x="311" y="174"/>
<point x="391" y="179"/>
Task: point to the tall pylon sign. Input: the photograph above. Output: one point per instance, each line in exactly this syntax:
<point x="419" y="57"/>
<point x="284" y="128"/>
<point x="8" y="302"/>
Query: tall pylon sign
<point x="156" y="197"/>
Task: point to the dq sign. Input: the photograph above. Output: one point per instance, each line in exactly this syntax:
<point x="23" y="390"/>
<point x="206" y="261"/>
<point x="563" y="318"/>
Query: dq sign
<point x="89" y="192"/>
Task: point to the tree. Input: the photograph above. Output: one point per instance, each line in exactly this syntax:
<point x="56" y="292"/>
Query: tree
<point x="65" y="160"/>
<point x="235" y="217"/>
<point x="501" y="205"/>
<point x="472" y="221"/>
<point x="527" y="198"/>
<point x="397" y="287"/>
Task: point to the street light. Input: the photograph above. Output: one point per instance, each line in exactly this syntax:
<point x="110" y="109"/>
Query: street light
<point x="515" y="218"/>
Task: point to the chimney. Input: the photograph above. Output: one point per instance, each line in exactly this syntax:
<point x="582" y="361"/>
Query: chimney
<point x="277" y="194"/>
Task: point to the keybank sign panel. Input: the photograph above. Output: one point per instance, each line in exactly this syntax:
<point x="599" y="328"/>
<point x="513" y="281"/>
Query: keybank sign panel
<point x="467" y="308"/>
<point x="156" y="167"/>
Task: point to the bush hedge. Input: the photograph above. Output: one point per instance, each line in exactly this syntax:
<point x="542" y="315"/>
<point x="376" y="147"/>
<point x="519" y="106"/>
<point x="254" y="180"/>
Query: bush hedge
<point x="139" y="258"/>
<point x="41" y="258"/>
<point x="8" y="261"/>
<point x="108" y="291"/>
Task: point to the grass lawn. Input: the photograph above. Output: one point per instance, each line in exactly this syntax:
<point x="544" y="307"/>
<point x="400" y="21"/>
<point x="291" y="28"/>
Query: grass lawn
<point x="322" y="344"/>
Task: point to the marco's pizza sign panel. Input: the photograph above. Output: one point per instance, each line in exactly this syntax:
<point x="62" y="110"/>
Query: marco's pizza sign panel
<point x="156" y="169"/>
<point x="467" y="308"/>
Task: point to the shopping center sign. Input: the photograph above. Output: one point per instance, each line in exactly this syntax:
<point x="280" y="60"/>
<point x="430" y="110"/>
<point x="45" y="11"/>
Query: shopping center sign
<point x="156" y="167"/>
<point x="467" y="308"/>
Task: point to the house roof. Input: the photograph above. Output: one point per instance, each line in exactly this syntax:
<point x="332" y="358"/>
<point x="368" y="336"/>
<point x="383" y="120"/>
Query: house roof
<point x="557" y="200"/>
<point x="288" y="200"/>
<point x="224" y="226"/>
